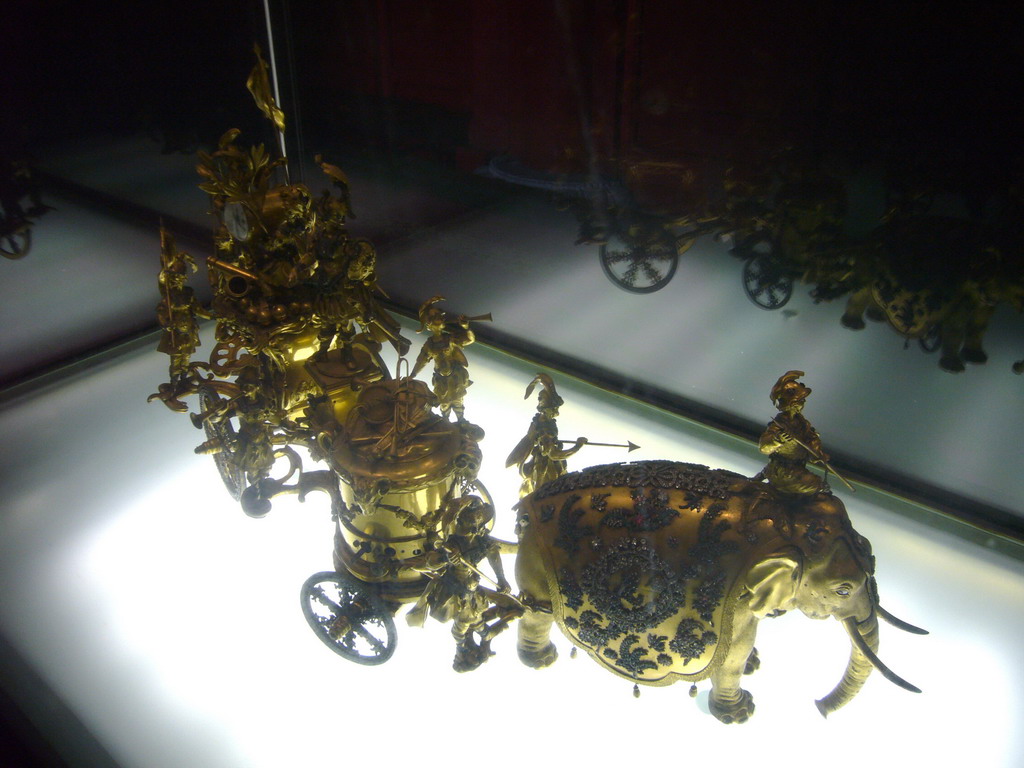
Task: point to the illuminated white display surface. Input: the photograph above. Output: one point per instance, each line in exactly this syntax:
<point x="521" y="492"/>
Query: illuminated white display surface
<point x="169" y="622"/>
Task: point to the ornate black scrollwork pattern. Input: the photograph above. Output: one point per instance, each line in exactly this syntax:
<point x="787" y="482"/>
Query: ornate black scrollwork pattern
<point x="647" y="474"/>
<point x="691" y="639"/>
<point x="570" y="533"/>
<point x="628" y="585"/>
<point x="631" y="656"/>
<point x="572" y="595"/>
<point x="594" y="632"/>
<point x="706" y="555"/>
<point x="648" y="513"/>
<point x="619" y="581"/>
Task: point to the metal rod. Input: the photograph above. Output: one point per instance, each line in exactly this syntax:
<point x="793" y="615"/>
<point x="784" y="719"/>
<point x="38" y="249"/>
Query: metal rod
<point x="815" y="456"/>
<point x="273" y="81"/>
<point x="630" y="446"/>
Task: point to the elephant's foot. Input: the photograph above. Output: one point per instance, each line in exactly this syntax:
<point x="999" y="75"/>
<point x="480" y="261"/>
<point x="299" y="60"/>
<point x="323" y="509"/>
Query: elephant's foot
<point x="874" y="314"/>
<point x="853" y="322"/>
<point x="951" y="363"/>
<point x="733" y="712"/>
<point x="974" y="355"/>
<point x="753" y="662"/>
<point x="534" y="643"/>
<point x="538" y="658"/>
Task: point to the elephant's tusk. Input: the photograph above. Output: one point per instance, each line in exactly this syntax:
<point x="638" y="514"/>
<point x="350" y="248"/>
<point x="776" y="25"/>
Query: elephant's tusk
<point x="863" y="647"/>
<point x="900" y="623"/>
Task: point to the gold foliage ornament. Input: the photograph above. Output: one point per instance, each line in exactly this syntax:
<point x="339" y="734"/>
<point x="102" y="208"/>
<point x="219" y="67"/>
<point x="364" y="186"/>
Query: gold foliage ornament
<point x="259" y="86"/>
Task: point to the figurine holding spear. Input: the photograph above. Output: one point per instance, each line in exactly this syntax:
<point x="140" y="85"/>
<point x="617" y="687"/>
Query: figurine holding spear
<point x="540" y="455"/>
<point x="791" y="442"/>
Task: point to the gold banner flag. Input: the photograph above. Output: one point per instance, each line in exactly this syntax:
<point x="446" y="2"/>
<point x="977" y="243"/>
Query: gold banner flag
<point x="259" y="86"/>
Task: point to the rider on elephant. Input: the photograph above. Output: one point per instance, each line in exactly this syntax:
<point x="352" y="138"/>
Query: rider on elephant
<point x="790" y="441"/>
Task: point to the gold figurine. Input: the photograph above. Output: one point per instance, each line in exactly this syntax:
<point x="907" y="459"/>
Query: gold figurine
<point x="444" y="348"/>
<point x="177" y="313"/>
<point x="455" y="592"/>
<point x="791" y="442"/>
<point x="540" y="455"/>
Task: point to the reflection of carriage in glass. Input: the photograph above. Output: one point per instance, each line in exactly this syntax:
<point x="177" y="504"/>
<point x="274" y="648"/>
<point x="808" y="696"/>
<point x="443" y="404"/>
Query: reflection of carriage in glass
<point x="634" y="220"/>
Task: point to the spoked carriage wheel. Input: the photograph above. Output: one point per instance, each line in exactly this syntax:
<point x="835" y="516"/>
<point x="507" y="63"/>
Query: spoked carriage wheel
<point x="640" y="264"/>
<point x="347" y="618"/>
<point x="765" y="283"/>
<point x="224" y="433"/>
<point x="15" y="245"/>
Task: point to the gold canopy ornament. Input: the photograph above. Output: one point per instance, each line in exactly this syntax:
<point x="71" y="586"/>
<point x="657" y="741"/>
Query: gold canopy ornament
<point x="259" y="86"/>
<point x="340" y="180"/>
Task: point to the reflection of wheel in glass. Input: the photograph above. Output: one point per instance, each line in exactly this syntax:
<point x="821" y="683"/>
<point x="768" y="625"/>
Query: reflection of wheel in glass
<point x="223" y="432"/>
<point x="347" y="618"/>
<point x="931" y="340"/>
<point x="642" y="264"/>
<point x="15" y="244"/>
<point x="765" y="283"/>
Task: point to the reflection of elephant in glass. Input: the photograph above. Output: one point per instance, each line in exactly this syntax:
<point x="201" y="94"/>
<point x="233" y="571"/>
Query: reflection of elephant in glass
<point x="661" y="571"/>
<point x="933" y="276"/>
<point x="959" y="320"/>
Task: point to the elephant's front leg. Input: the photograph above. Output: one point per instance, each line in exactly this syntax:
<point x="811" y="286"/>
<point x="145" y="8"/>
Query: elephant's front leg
<point x="535" y="647"/>
<point x="728" y="701"/>
<point x="856" y="306"/>
<point x="974" y="349"/>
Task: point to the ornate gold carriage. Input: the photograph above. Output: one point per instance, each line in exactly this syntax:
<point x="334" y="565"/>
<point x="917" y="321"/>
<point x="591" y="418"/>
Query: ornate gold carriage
<point x="296" y="377"/>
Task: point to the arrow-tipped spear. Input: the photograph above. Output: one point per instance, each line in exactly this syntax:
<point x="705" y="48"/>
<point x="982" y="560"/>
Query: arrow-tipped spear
<point x="630" y="446"/>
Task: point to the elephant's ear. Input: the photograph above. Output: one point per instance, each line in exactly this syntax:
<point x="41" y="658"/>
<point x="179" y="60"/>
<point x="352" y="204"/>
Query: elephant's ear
<point x="773" y="581"/>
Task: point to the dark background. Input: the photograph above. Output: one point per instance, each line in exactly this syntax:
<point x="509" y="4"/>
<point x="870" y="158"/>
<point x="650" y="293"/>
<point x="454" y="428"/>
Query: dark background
<point x="934" y="88"/>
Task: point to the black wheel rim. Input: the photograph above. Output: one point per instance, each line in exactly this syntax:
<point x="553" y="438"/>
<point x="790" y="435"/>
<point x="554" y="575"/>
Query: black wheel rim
<point x="765" y="284"/>
<point x="639" y="266"/>
<point x="16" y="244"/>
<point x="224" y="432"/>
<point x="348" y="618"/>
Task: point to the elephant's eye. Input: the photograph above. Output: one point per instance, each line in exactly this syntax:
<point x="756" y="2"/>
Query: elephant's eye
<point x="816" y="533"/>
<point x="843" y="591"/>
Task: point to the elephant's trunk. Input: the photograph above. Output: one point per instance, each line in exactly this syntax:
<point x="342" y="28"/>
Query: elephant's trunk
<point x="858" y="668"/>
<point x="863" y="656"/>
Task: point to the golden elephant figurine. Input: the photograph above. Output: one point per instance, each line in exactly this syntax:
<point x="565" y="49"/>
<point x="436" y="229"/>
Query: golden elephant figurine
<point x="661" y="570"/>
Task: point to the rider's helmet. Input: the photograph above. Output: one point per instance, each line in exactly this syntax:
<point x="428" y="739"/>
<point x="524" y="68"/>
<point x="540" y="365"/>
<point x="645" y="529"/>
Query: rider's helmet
<point x="788" y="390"/>
<point x="548" y="398"/>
